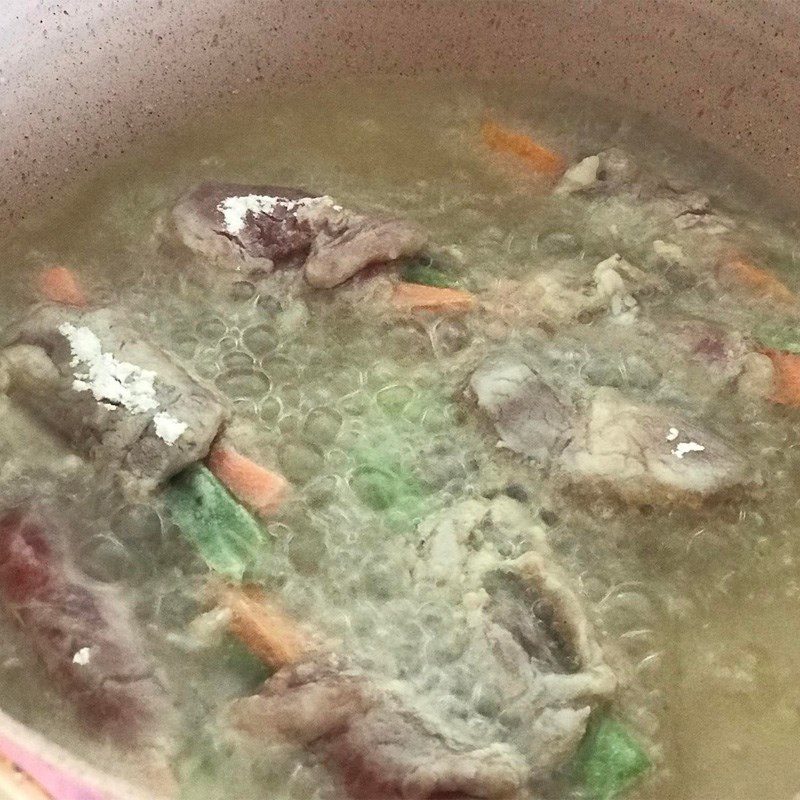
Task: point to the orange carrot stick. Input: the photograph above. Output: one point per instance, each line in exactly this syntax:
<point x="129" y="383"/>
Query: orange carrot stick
<point x="416" y="296"/>
<point x="737" y="272"/>
<point x="60" y="285"/>
<point x="261" y="627"/>
<point x="786" y="388"/>
<point x="255" y="486"/>
<point x="539" y="158"/>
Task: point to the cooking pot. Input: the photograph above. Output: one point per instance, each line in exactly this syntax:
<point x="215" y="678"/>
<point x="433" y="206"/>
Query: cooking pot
<point x="82" y="81"/>
<point x="86" y="80"/>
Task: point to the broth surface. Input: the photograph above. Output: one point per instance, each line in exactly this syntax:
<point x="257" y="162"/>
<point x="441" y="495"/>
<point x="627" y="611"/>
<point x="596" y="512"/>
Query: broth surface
<point x="699" y="609"/>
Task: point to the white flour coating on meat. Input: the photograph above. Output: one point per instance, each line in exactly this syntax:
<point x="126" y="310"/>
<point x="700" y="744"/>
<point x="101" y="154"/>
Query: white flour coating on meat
<point x="120" y="400"/>
<point x="235" y="209"/>
<point x="109" y="380"/>
<point x="114" y="382"/>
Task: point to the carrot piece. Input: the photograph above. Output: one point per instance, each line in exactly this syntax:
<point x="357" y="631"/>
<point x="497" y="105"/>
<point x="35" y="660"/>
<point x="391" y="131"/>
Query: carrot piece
<point x="261" y="627"/>
<point x="740" y="273"/>
<point x="539" y="158"/>
<point x="786" y="387"/>
<point x="60" y="285"/>
<point x="415" y="296"/>
<point x="255" y="486"/>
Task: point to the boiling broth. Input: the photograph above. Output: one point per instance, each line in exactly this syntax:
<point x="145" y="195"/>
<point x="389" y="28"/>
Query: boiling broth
<point x="698" y="609"/>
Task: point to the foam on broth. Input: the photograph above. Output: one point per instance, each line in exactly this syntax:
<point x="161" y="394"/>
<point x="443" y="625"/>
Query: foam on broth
<point x="704" y="608"/>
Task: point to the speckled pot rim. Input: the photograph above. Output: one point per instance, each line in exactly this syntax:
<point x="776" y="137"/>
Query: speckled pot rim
<point x="84" y="80"/>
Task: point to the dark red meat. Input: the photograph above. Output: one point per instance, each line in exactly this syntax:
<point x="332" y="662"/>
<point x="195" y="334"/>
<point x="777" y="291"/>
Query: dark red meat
<point x="83" y="632"/>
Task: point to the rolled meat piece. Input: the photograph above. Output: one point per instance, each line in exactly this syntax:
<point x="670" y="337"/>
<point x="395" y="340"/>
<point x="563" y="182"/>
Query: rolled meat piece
<point x="364" y="730"/>
<point x="112" y="395"/>
<point x="544" y="671"/>
<point x="259" y="228"/>
<point x="378" y="746"/>
<point x="83" y="632"/>
<point x="233" y="221"/>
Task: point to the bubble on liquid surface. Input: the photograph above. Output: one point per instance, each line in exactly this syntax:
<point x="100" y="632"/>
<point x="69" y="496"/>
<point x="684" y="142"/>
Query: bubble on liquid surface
<point x="242" y="290"/>
<point x="300" y="461"/>
<point x="394" y="398"/>
<point x="211" y="329"/>
<point x="322" y="425"/>
<point x="270" y="409"/>
<point x="184" y="344"/>
<point x="175" y="608"/>
<point x="238" y="360"/>
<point x="321" y="491"/>
<point x="244" y="383"/>
<point x="376" y="487"/>
<point x="227" y="344"/>
<point x="306" y="549"/>
<point x="259" y="339"/>
<point x="106" y="559"/>
<point x="290" y="423"/>
<point x="449" y="337"/>
<point x="139" y="527"/>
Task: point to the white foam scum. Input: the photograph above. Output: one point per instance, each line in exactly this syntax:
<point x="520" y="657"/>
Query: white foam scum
<point x="673" y="434"/>
<point x="234" y="210"/>
<point x="115" y="383"/>
<point x="682" y="448"/>
<point x="168" y="428"/>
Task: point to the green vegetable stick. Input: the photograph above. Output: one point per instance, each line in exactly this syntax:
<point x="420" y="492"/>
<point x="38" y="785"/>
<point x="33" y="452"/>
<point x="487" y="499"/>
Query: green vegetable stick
<point x="224" y="533"/>
<point x="609" y="760"/>
<point x="427" y="274"/>
<point x="378" y="489"/>
<point x="382" y="484"/>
